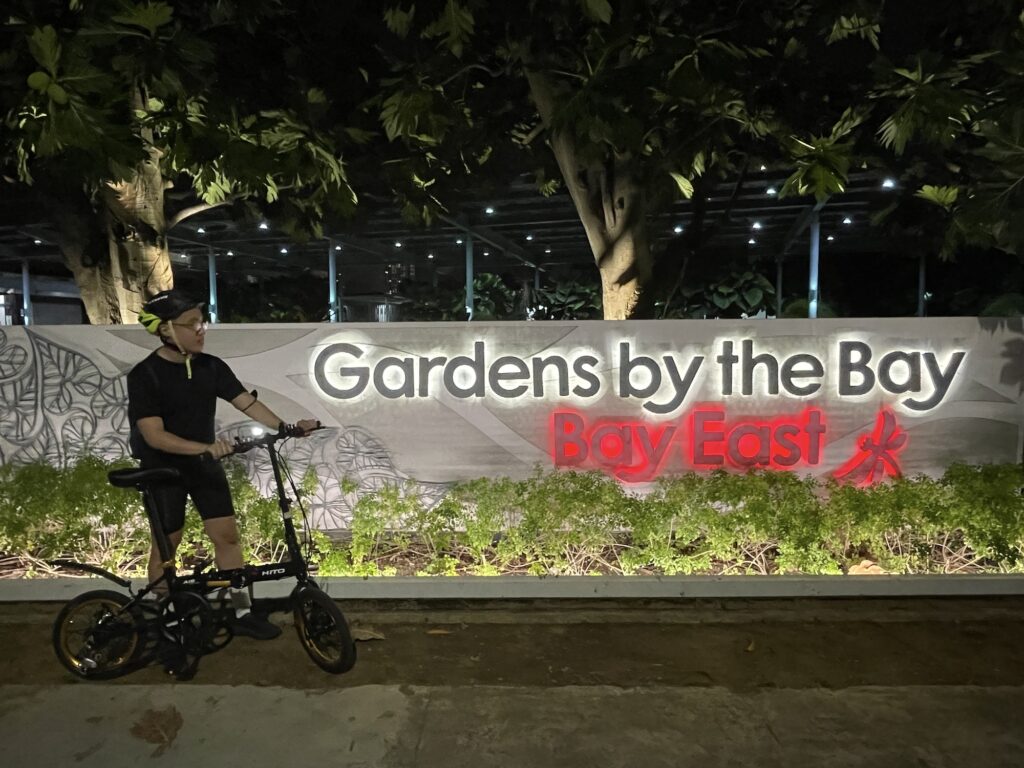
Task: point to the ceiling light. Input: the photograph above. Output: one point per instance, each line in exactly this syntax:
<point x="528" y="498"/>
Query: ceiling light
<point x="547" y="250"/>
<point x="284" y="250"/>
<point x="751" y="241"/>
<point x="770" y="191"/>
<point x="830" y="238"/>
<point x="200" y="230"/>
<point x="764" y="167"/>
<point x="847" y="220"/>
<point x="430" y="255"/>
<point x="38" y="242"/>
<point x="264" y="225"/>
<point x="459" y="241"/>
<point x="678" y="229"/>
<point x="888" y="184"/>
<point x="232" y="253"/>
<point x="756" y="225"/>
<point x="529" y="237"/>
<point x="337" y="247"/>
<point x="398" y="244"/>
<point x="488" y="210"/>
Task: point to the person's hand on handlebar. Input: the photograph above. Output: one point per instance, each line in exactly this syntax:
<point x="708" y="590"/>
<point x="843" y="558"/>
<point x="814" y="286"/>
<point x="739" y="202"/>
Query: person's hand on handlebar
<point x="307" y="425"/>
<point x="218" y="449"/>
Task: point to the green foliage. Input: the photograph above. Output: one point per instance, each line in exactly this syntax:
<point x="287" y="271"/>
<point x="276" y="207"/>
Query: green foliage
<point x="740" y="293"/>
<point x="970" y="520"/>
<point x="1006" y="305"/>
<point x="799" y="308"/>
<point x="568" y="300"/>
<point x="71" y="512"/>
<point x="942" y="196"/>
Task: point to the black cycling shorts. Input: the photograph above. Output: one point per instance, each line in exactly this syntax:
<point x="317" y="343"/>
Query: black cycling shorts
<point x="201" y="479"/>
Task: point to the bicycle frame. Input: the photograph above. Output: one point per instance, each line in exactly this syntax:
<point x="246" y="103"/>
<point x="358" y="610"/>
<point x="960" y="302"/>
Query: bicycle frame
<point x="185" y="624"/>
<point x="237" y="578"/>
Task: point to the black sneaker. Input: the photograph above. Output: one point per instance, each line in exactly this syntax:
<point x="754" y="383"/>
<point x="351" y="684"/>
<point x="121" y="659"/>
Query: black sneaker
<point x="256" y="626"/>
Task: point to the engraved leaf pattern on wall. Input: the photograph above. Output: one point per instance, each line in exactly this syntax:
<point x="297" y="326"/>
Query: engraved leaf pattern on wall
<point x="337" y="455"/>
<point x="58" y="405"/>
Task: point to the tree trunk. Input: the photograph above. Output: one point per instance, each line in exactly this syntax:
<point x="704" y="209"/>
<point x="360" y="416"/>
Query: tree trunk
<point x="117" y="276"/>
<point x="610" y="201"/>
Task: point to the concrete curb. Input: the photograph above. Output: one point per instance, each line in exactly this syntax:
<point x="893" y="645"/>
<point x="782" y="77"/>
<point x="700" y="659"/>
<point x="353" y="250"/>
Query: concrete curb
<point x="581" y="587"/>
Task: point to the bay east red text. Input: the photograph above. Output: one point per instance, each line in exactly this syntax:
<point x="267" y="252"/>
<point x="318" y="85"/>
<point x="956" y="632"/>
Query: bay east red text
<point x="705" y="438"/>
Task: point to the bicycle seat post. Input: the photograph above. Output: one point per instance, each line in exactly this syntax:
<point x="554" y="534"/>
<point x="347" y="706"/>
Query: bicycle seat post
<point x="143" y="480"/>
<point x="156" y="525"/>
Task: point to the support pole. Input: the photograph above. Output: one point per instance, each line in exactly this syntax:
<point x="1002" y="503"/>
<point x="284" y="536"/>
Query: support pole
<point x="921" y="285"/>
<point x="26" y="294"/>
<point x="812" y="283"/>
<point x="469" y="277"/>
<point x="211" y="264"/>
<point x="778" y="287"/>
<point x="333" y="305"/>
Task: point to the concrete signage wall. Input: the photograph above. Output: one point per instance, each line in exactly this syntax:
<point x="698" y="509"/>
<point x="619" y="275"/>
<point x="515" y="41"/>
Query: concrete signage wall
<point x="428" y="404"/>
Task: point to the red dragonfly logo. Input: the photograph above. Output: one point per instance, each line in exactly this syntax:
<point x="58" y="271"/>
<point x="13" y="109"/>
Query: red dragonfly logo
<point x="876" y="456"/>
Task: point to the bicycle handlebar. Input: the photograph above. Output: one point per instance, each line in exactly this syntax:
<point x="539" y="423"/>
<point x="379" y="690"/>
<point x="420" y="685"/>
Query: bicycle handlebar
<point x="286" y="430"/>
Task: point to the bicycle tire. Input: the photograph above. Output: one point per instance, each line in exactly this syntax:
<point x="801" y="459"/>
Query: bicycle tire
<point x="322" y="630"/>
<point x="95" y="638"/>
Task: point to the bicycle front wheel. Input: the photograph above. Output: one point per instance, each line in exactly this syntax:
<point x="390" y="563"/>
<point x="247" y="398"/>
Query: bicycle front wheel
<point x="96" y="636"/>
<point x="323" y="630"/>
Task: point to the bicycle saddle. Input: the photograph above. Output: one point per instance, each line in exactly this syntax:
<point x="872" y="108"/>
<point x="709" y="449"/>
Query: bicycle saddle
<point x="137" y="478"/>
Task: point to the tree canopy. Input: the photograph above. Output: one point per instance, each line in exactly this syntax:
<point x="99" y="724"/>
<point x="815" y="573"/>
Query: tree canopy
<point x="128" y="117"/>
<point x="640" y="103"/>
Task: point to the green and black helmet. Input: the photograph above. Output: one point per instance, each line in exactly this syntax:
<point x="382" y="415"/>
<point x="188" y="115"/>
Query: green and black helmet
<point x="166" y="306"/>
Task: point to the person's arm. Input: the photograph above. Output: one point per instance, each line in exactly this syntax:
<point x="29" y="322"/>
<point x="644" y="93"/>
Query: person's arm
<point x="248" y="404"/>
<point x="152" y="430"/>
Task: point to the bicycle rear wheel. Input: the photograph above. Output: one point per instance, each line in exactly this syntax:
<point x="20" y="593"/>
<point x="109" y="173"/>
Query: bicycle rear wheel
<point x="323" y="630"/>
<point x="97" y="637"/>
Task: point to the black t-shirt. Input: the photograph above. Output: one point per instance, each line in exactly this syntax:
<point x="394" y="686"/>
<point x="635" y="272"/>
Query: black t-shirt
<point x="158" y="387"/>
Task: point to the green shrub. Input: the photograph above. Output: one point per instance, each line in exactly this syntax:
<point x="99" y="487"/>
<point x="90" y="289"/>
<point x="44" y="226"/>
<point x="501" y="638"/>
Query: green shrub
<point x="972" y="519"/>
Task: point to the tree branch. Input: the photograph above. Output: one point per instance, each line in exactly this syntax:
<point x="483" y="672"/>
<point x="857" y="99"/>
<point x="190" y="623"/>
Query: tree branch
<point x="467" y="68"/>
<point x="186" y="213"/>
<point x="565" y="155"/>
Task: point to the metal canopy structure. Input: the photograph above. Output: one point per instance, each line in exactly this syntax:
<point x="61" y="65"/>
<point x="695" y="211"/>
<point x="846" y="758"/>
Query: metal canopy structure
<point x="521" y="233"/>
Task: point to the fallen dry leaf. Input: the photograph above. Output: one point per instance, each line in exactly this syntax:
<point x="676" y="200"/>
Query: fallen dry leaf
<point x="867" y="568"/>
<point x="439" y="631"/>
<point x="158" y="726"/>
<point x="750" y="648"/>
<point x="365" y="633"/>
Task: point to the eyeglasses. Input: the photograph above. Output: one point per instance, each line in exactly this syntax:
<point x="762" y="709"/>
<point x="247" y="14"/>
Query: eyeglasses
<point x="199" y="326"/>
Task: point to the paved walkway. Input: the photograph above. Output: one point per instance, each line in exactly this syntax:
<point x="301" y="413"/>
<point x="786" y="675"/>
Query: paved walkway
<point x="387" y="725"/>
<point x="823" y="684"/>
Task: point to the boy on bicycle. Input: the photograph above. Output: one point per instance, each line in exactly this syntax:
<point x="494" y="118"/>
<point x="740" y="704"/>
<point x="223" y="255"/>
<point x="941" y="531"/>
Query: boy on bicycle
<point x="172" y="401"/>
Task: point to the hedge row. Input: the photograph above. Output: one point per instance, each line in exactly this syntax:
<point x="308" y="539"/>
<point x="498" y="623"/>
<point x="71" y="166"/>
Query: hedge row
<point x="970" y="520"/>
